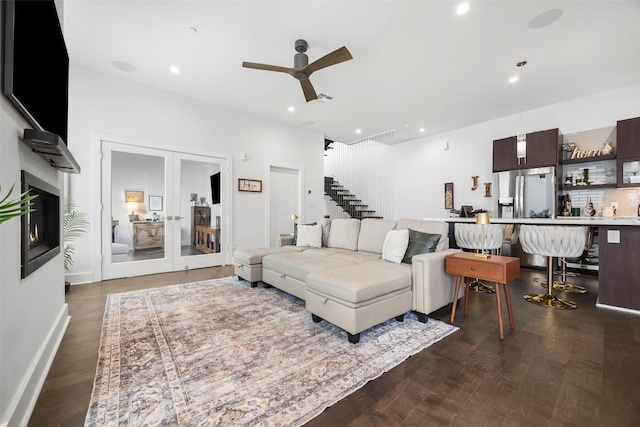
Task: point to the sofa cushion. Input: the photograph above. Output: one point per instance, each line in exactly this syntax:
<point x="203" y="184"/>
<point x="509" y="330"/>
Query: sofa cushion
<point x="420" y="243"/>
<point x="433" y="227"/>
<point x="309" y="236"/>
<point x="395" y="245"/>
<point x="358" y="283"/>
<point x="344" y="234"/>
<point x="372" y="234"/>
<point x="254" y="256"/>
<point x="298" y="265"/>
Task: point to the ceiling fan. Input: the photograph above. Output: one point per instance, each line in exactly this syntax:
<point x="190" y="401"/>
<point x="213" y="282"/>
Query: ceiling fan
<point x="302" y="70"/>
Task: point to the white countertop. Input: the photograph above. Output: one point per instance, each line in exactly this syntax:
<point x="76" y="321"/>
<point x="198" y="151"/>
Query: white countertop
<point x="567" y="220"/>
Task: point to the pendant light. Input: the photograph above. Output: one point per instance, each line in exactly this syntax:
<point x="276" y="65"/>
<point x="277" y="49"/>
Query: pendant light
<point x="521" y="142"/>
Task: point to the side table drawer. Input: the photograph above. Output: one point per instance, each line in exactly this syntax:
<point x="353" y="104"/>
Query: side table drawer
<point x="480" y="269"/>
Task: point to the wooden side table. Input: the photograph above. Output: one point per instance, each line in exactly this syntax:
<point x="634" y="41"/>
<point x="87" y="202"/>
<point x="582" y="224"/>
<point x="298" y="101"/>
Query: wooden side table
<point x="497" y="269"/>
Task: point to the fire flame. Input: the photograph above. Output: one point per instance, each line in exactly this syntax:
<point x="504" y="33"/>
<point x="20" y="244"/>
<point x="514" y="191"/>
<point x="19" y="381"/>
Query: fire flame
<point x="33" y="236"/>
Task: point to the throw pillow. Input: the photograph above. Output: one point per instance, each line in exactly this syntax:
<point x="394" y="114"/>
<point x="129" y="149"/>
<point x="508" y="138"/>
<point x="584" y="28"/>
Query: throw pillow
<point x="395" y="245"/>
<point x="344" y="234"/>
<point x="420" y="243"/>
<point x="309" y="236"/>
<point x="295" y="232"/>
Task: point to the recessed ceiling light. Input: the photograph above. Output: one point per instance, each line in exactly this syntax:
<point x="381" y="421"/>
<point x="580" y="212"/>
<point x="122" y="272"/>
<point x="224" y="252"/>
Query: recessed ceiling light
<point x="124" y="66"/>
<point x="513" y="79"/>
<point x="421" y="129"/>
<point x="291" y="109"/>
<point x="462" y="8"/>
<point x="358" y="130"/>
<point x="175" y="70"/>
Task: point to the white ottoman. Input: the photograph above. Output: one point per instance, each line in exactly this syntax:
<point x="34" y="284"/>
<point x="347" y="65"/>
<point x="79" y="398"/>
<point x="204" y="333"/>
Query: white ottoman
<point x="357" y="297"/>
<point x="248" y="262"/>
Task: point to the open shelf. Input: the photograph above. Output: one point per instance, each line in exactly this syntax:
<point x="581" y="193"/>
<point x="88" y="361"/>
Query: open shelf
<point x="589" y="159"/>
<point x="587" y="187"/>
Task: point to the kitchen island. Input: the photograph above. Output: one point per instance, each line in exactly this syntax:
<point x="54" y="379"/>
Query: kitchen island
<point x="619" y="253"/>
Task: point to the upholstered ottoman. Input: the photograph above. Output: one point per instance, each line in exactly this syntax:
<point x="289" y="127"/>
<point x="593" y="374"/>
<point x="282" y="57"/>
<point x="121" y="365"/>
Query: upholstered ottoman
<point x="358" y="297"/>
<point x="248" y="262"/>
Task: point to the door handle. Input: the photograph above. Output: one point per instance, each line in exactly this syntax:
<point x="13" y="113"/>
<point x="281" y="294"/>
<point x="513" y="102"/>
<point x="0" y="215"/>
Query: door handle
<point x="178" y="217"/>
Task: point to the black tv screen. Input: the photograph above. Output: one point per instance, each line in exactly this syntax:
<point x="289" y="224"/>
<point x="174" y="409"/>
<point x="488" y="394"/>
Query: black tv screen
<point x="215" y="188"/>
<point x="36" y="64"/>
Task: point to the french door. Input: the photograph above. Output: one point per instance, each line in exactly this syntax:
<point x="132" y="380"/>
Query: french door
<point x="162" y="210"/>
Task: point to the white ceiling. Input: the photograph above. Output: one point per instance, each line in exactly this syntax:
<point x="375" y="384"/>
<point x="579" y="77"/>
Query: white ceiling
<point x="417" y="64"/>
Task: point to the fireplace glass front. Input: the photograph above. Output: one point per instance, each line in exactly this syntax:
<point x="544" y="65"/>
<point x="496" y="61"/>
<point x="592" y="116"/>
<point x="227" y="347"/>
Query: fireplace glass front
<point x="41" y="228"/>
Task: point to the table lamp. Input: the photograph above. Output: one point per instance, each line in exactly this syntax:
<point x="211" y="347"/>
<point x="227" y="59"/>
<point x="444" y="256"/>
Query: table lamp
<point x="294" y="218"/>
<point x="483" y="219"/>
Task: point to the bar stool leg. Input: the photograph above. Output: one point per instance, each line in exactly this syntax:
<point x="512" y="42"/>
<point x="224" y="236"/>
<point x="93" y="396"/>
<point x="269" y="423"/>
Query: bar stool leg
<point x="563" y="284"/>
<point x="549" y="299"/>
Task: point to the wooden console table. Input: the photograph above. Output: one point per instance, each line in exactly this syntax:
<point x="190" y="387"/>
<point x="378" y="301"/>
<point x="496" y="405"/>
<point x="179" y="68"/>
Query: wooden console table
<point x="148" y="234"/>
<point x="497" y="269"/>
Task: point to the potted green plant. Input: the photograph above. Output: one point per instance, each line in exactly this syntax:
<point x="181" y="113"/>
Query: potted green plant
<point x="74" y="225"/>
<point x="15" y="207"/>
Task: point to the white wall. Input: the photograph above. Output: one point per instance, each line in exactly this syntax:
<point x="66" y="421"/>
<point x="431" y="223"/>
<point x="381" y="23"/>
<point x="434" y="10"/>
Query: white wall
<point x="422" y="166"/>
<point x="102" y="104"/>
<point x="33" y="312"/>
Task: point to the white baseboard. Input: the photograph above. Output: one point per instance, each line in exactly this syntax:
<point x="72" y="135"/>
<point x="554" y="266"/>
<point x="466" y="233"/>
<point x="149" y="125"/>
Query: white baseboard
<point x="79" y="278"/>
<point x="19" y="414"/>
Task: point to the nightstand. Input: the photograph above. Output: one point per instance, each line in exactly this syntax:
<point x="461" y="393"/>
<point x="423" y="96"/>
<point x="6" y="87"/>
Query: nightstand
<point x="497" y="269"/>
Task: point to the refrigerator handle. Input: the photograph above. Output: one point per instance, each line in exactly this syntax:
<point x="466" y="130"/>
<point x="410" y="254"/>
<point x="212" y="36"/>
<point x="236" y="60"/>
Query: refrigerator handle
<point x="516" y="198"/>
<point x="520" y="196"/>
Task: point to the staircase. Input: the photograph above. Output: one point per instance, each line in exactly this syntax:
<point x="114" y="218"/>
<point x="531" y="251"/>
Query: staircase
<point x="347" y="201"/>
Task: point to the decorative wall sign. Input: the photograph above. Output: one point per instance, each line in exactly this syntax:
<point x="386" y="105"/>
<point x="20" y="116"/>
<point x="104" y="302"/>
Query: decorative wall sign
<point x="251" y="185"/>
<point x="487" y="189"/>
<point x="448" y="195"/>
<point x="475" y="182"/>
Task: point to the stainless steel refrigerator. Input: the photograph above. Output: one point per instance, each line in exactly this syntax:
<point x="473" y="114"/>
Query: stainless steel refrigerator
<point x="525" y="193"/>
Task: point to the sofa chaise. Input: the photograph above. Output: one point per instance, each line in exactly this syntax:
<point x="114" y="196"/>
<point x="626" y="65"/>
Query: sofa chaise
<point x="349" y="273"/>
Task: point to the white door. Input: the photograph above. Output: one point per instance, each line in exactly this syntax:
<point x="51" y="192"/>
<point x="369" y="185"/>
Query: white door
<point x="150" y="199"/>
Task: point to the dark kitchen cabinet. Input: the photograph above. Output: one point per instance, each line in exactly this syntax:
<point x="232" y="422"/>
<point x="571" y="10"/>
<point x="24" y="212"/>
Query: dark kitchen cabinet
<point x="542" y="151"/>
<point x="628" y="152"/>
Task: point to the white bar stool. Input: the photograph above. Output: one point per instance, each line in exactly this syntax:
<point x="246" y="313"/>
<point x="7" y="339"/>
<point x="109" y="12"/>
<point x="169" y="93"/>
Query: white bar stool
<point x="469" y="236"/>
<point x="552" y="241"/>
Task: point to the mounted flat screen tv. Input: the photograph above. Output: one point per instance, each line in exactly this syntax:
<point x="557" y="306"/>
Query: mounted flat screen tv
<point x="36" y="64"/>
<point x="215" y="188"/>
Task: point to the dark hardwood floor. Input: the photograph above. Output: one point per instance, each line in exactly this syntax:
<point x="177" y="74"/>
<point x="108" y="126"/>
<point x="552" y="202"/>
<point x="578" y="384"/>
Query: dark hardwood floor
<point x="558" y="368"/>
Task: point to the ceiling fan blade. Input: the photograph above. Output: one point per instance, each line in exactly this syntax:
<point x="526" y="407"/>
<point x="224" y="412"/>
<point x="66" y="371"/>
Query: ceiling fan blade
<point x="309" y="91"/>
<point x="335" y="57"/>
<point x="266" y="67"/>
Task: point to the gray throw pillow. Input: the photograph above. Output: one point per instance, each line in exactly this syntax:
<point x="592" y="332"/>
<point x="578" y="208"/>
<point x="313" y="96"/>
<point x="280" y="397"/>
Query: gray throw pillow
<point x="420" y="243"/>
<point x="295" y="231"/>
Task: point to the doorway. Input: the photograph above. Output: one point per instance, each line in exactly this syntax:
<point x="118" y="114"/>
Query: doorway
<point x="163" y="210"/>
<point x="285" y="190"/>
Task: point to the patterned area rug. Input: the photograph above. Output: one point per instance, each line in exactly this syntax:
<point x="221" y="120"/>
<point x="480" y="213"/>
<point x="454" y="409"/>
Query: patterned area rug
<point x="219" y="352"/>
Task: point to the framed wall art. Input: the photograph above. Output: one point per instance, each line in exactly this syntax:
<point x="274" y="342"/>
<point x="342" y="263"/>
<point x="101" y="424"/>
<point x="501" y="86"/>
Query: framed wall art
<point x="134" y="196"/>
<point x="155" y="203"/>
<point x="448" y="195"/>
<point x="251" y="185"/>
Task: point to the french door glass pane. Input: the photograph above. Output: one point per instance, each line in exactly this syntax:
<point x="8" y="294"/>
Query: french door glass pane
<point x="200" y="207"/>
<point x="137" y="207"/>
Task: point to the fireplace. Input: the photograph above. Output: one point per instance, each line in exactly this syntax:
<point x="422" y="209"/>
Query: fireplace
<point x="40" y="228"/>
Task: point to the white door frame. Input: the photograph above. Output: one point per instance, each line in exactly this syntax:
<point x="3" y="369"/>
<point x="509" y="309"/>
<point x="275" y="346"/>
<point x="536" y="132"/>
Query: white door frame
<point x="98" y="211"/>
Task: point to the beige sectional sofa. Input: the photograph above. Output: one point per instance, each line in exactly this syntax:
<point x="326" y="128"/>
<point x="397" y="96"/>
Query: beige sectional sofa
<point x="348" y="282"/>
